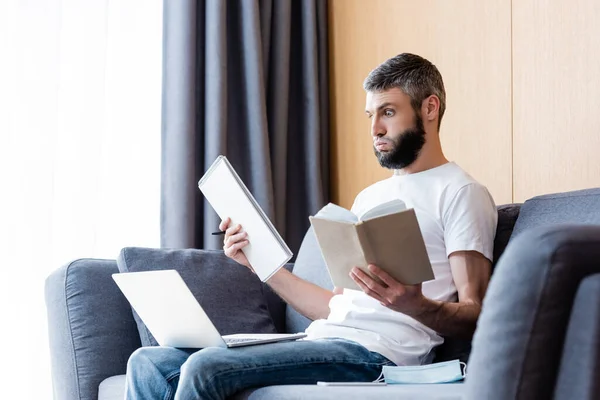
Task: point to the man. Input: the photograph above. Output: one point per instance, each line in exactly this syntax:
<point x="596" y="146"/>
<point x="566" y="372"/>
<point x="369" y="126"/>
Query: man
<point x="354" y="333"/>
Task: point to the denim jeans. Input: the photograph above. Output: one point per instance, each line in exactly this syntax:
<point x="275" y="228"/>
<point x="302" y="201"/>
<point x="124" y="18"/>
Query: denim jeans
<point x="217" y="373"/>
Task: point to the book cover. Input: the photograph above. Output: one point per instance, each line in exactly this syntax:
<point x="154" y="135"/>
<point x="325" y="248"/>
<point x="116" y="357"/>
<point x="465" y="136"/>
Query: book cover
<point x="387" y="236"/>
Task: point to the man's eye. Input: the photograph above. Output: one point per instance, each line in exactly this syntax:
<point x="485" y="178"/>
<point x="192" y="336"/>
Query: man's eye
<point x="369" y="116"/>
<point x="389" y="113"/>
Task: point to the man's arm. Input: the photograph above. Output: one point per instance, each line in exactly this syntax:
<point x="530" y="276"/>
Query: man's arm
<point x="471" y="272"/>
<point x="308" y="299"/>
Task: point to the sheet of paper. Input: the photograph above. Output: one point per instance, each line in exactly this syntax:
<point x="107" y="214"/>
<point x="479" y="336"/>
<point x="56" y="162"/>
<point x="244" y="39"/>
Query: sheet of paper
<point x="389" y="207"/>
<point x="336" y="213"/>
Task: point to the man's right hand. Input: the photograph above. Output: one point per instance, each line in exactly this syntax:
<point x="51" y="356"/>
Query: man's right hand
<point x="235" y="240"/>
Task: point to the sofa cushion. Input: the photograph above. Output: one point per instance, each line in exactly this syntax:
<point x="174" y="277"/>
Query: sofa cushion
<point x="577" y="207"/>
<point x="448" y="391"/>
<point x="310" y="266"/>
<point x="113" y="388"/>
<point x="231" y="295"/>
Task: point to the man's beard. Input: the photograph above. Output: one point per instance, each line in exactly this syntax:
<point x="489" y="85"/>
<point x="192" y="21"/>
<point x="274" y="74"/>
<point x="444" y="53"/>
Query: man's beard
<point x="406" y="148"/>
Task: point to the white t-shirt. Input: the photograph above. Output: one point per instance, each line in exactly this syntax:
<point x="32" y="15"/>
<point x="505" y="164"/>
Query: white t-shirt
<point x="455" y="213"/>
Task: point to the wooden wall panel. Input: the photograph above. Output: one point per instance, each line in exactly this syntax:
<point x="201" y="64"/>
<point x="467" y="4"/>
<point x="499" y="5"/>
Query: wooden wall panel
<point x="468" y="40"/>
<point x="556" y="75"/>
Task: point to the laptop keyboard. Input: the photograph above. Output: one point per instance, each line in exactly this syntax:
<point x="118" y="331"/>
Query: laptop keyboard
<point x="239" y="340"/>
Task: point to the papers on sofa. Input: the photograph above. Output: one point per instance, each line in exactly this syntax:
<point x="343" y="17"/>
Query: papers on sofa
<point x="387" y="236"/>
<point x="227" y="194"/>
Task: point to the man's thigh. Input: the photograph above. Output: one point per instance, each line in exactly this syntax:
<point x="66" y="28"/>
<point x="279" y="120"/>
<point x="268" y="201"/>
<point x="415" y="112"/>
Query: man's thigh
<point x="296" y="362"/>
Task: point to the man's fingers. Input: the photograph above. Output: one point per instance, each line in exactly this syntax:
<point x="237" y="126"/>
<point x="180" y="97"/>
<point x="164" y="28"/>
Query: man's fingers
<point x="381" y="274"/>
<point x="238" y="246"/>
<point x="367" y="282"/>
<point x="233" y="230"/>
<point x="365" y="288"/>
<point x="224" y="224"/>
<point x="230" y="250"/>
<point x="233" y="239"/>
<point x="370" y="282"/>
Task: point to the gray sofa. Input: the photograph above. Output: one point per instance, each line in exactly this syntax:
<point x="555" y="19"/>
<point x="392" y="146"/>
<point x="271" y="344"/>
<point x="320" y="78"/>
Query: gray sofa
<point x="538" y="336"/>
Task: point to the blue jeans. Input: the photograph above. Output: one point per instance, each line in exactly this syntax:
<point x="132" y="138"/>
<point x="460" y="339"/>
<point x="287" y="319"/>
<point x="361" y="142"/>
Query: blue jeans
<point x="167" y="373"/>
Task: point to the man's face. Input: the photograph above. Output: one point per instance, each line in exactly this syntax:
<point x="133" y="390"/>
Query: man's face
<point x="397" y="131"/>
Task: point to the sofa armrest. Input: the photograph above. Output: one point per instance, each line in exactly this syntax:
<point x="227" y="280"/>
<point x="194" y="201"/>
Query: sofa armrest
<point x="91" y="328"/>
<point x="519" y="340"/>
<point x="579" y="373"/>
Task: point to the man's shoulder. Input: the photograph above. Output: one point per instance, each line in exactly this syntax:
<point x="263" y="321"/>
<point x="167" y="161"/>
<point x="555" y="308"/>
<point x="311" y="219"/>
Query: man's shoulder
<point x="458" y="176"/>
<point x="458" y="179"/>
<point x="467" y="193"/>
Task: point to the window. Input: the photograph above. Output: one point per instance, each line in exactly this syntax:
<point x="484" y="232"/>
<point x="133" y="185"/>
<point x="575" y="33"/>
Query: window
<point x="80" y="104"/>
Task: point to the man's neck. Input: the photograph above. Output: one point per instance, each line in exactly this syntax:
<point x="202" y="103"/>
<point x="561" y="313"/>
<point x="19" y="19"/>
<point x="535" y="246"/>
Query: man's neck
<point x="424" y="162"/>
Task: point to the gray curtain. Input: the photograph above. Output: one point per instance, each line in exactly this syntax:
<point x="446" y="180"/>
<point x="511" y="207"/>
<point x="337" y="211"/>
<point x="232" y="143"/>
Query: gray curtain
<point x="246" y="79"/>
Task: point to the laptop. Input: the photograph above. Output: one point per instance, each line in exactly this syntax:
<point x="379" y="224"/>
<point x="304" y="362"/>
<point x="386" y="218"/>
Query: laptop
<point x="174" y="316"/>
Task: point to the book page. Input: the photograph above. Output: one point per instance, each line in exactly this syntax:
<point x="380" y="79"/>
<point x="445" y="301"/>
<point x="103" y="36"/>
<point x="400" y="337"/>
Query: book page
<point x="386" y="208"/>
<point x="267" y="251"/>
<point x="333" y="212"/>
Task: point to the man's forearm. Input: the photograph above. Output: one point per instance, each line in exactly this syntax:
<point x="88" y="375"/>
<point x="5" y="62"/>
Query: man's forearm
<point x="308" y="299"/>
<point x="449" y="319"/>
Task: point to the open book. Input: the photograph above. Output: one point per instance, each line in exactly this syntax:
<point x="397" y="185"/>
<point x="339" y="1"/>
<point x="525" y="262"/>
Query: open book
<point x="387" y="236"/>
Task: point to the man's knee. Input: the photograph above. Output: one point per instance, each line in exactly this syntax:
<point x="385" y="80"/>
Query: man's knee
<point x="151" y="359"/>
<point x="206" y="361"/>
<point x="138" y="358"/>
<point x="203" y="369"/>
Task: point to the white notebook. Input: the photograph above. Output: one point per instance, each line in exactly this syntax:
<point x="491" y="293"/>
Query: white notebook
<point x="227" y="194"/>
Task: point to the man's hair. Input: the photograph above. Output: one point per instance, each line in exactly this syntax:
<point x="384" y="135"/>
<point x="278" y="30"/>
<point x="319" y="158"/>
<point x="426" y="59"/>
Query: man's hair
<point x="415" y="76"/>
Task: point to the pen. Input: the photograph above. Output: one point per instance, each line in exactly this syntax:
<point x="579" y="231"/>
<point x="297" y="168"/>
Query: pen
<point x="218" y="233"/>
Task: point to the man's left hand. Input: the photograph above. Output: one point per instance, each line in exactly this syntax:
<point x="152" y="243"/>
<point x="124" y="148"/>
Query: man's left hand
<point x="407" y="299"/>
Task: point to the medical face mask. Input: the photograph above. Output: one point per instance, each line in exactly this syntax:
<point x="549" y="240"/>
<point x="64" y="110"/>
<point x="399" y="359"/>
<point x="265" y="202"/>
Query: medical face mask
<point x="443" y="372"/>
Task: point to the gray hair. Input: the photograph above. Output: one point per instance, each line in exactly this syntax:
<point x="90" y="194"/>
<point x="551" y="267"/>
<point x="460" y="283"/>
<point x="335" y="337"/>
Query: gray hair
<point x="417" y="77"/>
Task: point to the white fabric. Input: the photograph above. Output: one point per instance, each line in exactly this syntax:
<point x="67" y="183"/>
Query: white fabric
<point x="455" y="213"/>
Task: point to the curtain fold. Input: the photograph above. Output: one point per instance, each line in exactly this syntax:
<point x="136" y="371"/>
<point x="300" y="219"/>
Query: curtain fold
<point x="178" y="138"/>
<point x="246" y="79"/>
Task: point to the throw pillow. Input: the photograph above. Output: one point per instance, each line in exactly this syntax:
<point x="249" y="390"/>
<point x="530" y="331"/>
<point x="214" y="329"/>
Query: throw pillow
<point x="229" y="293"/>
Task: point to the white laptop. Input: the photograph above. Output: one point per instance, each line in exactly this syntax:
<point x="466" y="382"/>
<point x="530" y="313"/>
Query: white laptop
<point x="174" y="316"/>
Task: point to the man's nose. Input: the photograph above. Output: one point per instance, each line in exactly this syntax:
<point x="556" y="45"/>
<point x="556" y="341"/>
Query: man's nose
<point x="377" y="129"/>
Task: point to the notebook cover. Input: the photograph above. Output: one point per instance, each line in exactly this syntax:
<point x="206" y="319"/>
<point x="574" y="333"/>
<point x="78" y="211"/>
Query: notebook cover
<point x="229" y="197"/>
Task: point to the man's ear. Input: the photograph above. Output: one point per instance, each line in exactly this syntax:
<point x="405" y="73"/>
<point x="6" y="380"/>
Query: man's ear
<point x="431" y="108"/>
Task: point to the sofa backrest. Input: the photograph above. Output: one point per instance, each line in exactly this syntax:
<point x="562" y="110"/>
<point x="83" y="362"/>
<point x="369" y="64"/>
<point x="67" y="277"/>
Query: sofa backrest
<point x="507" y="218"/>
<point x="577" y="207"/>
